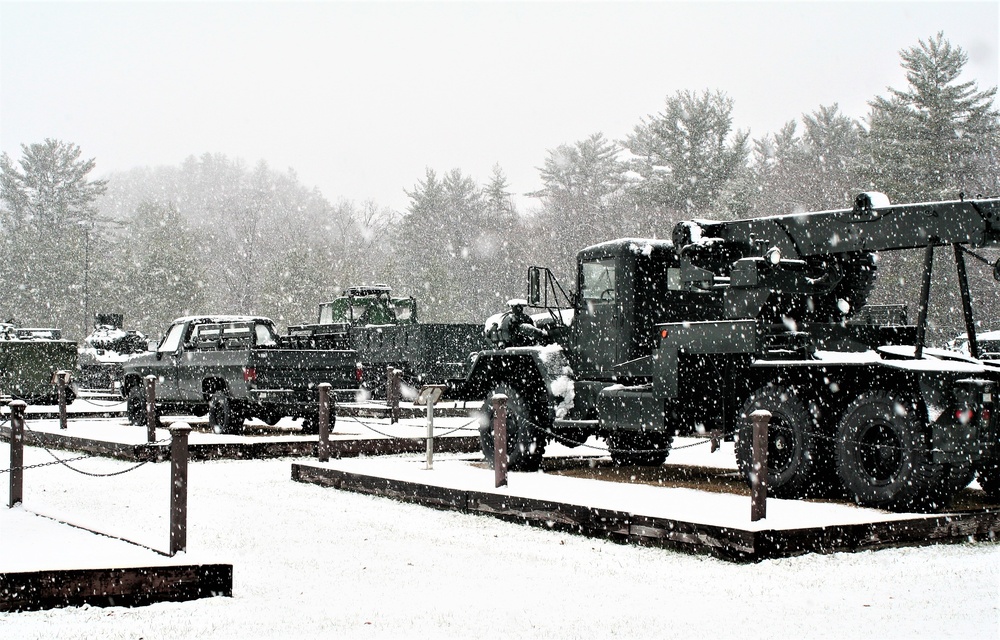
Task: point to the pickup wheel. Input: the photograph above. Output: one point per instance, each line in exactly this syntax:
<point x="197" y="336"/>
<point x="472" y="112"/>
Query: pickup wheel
<point x="525" y="442"/>
<point x="135" y="406"/>
<point x="225" y="415"/>
<point x="310" y="423"/>
<point x="884" y="457"/>
<point x="797" y="465"/>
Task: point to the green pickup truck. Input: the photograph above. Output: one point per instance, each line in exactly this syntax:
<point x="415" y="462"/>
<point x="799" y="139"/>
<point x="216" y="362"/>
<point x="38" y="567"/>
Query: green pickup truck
<point x="233" y="368"/>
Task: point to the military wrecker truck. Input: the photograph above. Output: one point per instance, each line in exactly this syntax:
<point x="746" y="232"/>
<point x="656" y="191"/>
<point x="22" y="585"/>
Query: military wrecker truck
<point x="692" y="336"/>
<point x="385" y="332"/>
<point x="233" y="368"/>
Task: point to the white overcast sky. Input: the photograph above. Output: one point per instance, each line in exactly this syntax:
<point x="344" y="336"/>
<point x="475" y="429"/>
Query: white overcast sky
<point x="360" y="97"/>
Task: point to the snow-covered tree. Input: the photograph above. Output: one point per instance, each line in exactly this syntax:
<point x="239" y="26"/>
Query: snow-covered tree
<point x="49" y="226"/>
<point x="688" y="155"/>
<point x="583" y="199"/>
<point x="937" y="137"/>
<point x="811" y="172"/>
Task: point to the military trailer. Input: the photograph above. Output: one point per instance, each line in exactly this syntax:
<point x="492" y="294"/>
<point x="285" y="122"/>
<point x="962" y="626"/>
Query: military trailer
<point x="691" y="336"/>
<point x="385" y="332"/>
<point x="29" y="357"/>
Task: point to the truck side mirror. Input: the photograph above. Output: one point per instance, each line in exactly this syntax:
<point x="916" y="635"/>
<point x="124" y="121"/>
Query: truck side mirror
<point x="534" y="287"/>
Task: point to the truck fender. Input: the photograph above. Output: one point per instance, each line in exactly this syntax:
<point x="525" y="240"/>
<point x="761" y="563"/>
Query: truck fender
<point x="542" y="373"/>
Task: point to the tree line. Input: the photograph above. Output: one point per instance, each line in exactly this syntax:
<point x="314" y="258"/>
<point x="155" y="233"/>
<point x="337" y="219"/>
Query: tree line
<point x="217" y="235"/>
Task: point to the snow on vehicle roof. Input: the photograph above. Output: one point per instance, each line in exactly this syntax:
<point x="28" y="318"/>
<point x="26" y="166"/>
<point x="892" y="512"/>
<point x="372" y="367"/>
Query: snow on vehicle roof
<point x="640" y="243"/>
<point x="224" y="319"/>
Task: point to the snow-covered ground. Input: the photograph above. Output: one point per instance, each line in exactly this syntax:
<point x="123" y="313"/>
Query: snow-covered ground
<point x="312" y="562"/>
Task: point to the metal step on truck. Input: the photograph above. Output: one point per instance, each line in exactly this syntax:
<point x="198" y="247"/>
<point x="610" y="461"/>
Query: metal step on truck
<point x="236" y="367"/>
<point x="385" y="332"/>
<point x="690" y="336"/>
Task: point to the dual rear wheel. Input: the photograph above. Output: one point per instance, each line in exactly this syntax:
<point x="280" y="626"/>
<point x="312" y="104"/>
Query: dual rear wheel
<point x="879" y="451"/>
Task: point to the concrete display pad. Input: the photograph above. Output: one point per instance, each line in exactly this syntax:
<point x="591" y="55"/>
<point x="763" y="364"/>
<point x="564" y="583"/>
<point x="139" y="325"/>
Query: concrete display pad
<point x="700" y="521"/>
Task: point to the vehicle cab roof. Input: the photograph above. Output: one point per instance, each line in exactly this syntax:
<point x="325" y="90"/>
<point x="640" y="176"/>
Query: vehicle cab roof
<point x="221" y="319"/>
<point x="648" y="247"/>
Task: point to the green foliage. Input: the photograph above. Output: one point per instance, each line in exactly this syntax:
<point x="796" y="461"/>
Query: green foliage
<point x="688" y="155"/>
<point x="49" y="226"/>
<point x="811" y="172"/>
<point x="936" y="138"/>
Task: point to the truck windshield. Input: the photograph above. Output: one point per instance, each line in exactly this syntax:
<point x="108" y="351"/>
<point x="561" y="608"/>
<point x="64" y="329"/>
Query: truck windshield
<point x="173" y="339"/>
<point x="598" y="280"/>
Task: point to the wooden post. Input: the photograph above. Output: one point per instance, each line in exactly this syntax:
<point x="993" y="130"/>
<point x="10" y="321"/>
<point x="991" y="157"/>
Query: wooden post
<point x="16" y="453"/>
<point x="758" y="476"/>
<point x="151" y="408"/>
<point x="323" y="447"/>
<point x="500" y="439"/>
<point x="430" y="433"/>
<point x="393" y="393"/>
<point x="178" y="486"/>
<point x="62" y="378"/>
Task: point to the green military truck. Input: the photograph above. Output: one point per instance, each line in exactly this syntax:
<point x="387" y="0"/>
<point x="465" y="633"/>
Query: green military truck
<point x="28" y="359"/>
<point x="233" y="368"/>
<point x="692" y="335"/>
<point x="385" y="332"/>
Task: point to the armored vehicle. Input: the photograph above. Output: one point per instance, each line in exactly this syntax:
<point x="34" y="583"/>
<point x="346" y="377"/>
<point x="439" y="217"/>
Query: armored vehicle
<point x="692" y="335"/>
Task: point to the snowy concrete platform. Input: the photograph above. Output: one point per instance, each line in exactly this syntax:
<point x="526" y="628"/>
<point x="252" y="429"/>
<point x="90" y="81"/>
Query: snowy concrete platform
<point x="352" y="436"/>
<point x="713" y="522"/>
<point x="78" y="567"/>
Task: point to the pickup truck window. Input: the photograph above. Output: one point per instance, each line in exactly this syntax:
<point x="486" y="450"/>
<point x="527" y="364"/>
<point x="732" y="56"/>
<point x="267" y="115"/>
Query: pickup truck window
<point x="172" y="341"/>
<point x="265" y="336"/>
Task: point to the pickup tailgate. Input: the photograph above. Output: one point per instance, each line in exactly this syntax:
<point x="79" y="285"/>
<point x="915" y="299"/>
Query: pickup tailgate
<point x="298" y="372"/>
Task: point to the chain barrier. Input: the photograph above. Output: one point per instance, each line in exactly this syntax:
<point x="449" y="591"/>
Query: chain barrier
<point x="88" y="456"/>
<point x="101" y="403"/>
<point x="464" y="427"/>
<point x="549" y="432"/>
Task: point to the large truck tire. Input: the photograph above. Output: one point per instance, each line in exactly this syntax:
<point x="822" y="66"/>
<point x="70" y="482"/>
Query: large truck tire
<point x="988" y="476"/>
<point x="884" y="457"/>
<point x="798" y="466"/>
<point x="629" y="448"/>
<point x="525" y="442"/>
<point x="135" y="406"/>
<point x="225" y="415"/>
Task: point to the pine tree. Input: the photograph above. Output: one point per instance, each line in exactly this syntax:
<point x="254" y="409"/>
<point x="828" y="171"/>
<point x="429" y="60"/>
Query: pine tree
<point x="688" y="155"/>
<point x="811" y="172"/>
<point x="49" y="226"/>
<point x="936" y="138"/>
